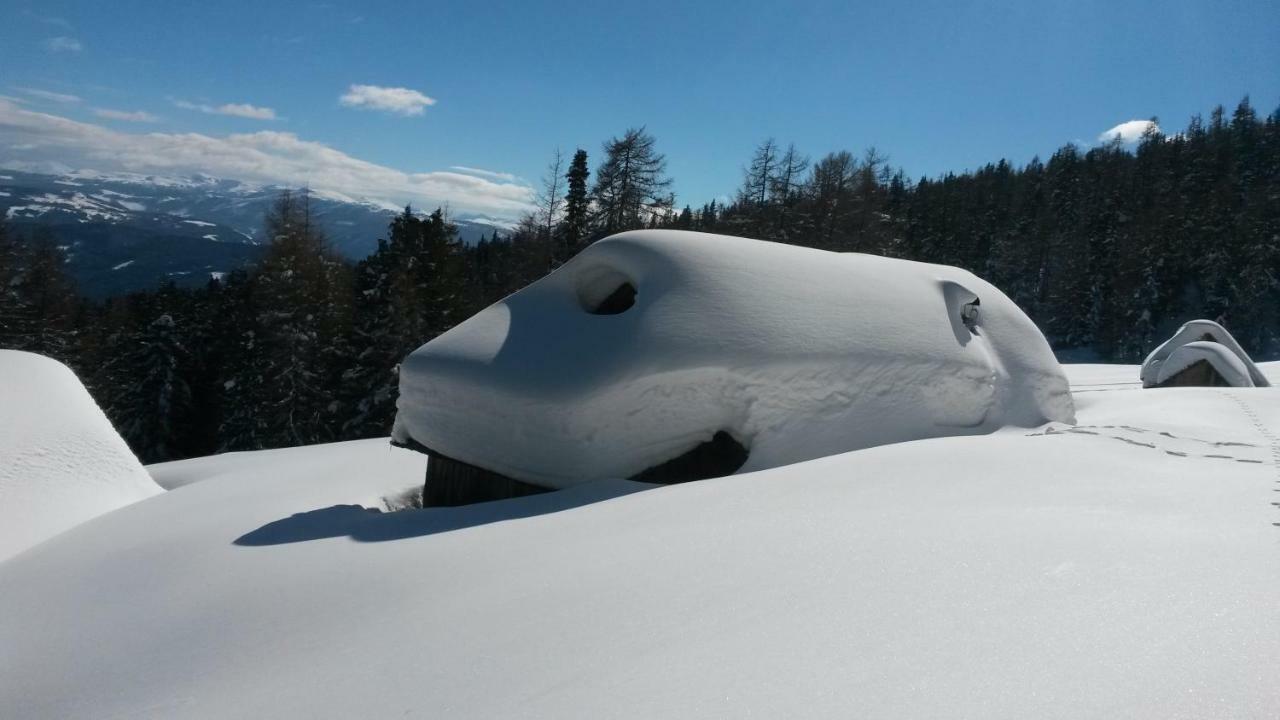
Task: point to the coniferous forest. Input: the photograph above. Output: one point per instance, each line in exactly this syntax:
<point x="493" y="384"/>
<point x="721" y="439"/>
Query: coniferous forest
<point x="1108" y="249"/>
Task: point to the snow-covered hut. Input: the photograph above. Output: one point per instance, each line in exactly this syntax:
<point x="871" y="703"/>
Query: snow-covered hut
<point x="667" y="356"/>
<point x="61" y="461"/>
<point x="1201" y="354"/>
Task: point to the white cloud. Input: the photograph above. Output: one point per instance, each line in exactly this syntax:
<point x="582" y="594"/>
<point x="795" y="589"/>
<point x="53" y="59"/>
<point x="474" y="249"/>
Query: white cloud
<point x="264" y="157"/>
<point x="505" y="177"/>
<point x="62" y="43"/>
<point x="244" y="110"/>
<point x="1128" y="132"/>
<point x="135" y="116"/>
<point x="48" y="19"/>
<point x="47" y="95"/>
<point x="401" y="101"/>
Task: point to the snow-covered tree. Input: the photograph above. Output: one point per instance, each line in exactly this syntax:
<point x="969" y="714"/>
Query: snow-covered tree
<point x="151" y="411"/>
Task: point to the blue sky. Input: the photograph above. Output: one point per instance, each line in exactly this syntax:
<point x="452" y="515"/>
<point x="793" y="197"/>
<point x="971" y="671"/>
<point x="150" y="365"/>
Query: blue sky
<point x="256" y="88"/>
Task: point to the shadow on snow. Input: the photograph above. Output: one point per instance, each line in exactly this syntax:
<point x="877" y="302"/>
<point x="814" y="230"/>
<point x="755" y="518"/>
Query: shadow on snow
<point x="372" y="525"/>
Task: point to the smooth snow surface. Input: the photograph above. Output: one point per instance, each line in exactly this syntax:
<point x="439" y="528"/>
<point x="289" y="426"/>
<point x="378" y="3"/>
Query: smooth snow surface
<point x="61" y="462"/>
<point x="1125" y="566"/>
<point x="1154" y="370"/>
<point x="796" y="353"/>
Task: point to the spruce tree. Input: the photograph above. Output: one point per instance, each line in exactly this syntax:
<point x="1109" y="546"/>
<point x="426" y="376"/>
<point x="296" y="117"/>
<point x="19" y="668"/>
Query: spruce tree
<point x="152" y="410"/>
<point x="11" y="260"/>
<point x="45" y="299"/>
<point x="304" y="318"/>
<point x="576" y="204"/>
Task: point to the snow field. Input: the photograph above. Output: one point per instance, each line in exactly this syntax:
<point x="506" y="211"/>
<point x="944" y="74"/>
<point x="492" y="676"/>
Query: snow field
<point x="1122" y="567"/>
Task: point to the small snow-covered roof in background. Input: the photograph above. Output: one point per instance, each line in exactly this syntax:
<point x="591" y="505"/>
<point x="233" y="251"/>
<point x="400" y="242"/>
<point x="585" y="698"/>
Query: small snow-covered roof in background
<point x="1227" y="364"/>
<point x="61" y="461"/>
<point x="1153" y="371"/>
<point x="797" y="353"/>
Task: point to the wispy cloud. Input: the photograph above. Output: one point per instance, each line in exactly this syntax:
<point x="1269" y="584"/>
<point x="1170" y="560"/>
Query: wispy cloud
<point x="125" y="115"/>
<point x="398" y="100"/>
<point x="266" y="156"/>
<point x="48" y="19"/>
<point x="48" y="95"/>
<point x="1128" y="132"/>
<point x="243" y="110"/>
<point x="505" y="177"/>
<point x="62" y="43"/>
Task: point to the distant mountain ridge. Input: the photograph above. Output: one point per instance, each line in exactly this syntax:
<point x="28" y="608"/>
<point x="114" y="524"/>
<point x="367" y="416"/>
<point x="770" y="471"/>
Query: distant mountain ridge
<point x="124" y="232"/>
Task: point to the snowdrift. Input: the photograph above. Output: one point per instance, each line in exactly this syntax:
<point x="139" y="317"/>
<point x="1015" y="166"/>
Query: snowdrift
<point x="650" y="344"/>
<point x="1121" y="567"/>
<point x="1202" y="341"/>
<point x="61" y="462"/>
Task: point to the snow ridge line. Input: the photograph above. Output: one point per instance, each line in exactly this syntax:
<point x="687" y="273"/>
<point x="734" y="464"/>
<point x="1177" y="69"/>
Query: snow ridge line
<point x="1264" y="431"/>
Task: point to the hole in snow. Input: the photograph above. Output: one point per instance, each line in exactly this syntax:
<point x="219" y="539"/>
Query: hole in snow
<point x="721" y="455"/>
<point x="970" y="315"/>
<point x="962" y="310"/>
<point x="605" y="291"/>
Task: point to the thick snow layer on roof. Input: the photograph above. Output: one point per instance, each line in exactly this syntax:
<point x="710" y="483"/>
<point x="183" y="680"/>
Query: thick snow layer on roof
<point x="1121" y="567"/>
<point x="1152" y="372"/>
<point x="796" y="353"/>
<point x="61" y="462"/>
<point x="1226" y="363"/>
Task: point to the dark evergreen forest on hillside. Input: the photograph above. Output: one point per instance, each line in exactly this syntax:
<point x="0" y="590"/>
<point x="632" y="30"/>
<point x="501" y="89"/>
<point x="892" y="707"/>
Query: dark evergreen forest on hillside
<point x="1108" y="249"/>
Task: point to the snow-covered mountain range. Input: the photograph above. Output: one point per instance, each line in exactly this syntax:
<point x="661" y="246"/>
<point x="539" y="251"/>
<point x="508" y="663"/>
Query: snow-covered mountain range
<point x="125" y="232"/>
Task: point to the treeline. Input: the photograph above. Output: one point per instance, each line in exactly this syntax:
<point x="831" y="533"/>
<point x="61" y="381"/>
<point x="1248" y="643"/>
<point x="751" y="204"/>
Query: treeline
<point x="301" y="349"/>
<point x="1108" y="249"/>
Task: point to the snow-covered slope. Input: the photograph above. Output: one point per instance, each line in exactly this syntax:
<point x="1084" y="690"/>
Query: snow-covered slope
<point x="1123" y="567"/>
<point x="61" y="462"/>
<point x="796" y="353"/>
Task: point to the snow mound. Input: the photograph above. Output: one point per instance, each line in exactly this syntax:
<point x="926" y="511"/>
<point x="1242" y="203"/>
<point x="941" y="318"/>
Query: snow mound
<point x="650" y="343"/>
<point x="61" y="462"/>
<point x="1229" y="359"/>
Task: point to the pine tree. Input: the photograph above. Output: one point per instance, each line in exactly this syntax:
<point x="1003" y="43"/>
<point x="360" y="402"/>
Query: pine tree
<point x="631" y="184"/>
<point x="45" y="299"/>
<point x="11" y="261"/>
<point x="304" y="318"/>
<point x="830" y="191"/>
<point x="370" y="381"/>
<point x="576" y="206"/>
<point x="152" y="410"/>
<point x="243" y="373"/>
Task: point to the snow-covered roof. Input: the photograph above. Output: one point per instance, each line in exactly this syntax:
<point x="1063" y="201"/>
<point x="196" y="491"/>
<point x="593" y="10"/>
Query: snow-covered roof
<point x="1226" y="363"/>
<point x="650" y="342"/>
<point x="1153" y="371"/>
<point x="61" y="461"/>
